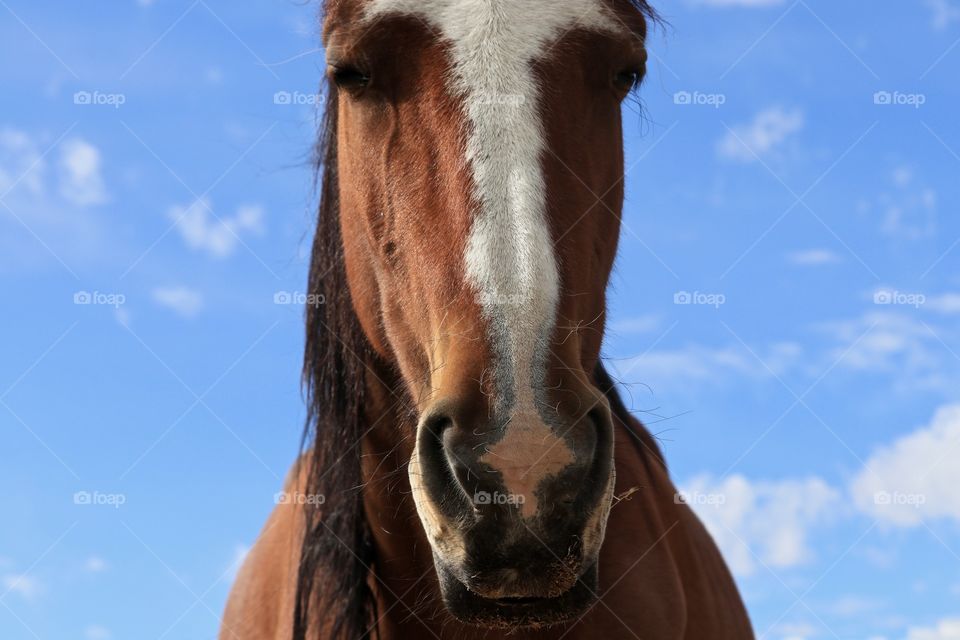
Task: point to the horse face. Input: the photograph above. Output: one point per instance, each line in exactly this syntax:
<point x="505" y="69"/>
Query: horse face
<point x="480" y="167"/>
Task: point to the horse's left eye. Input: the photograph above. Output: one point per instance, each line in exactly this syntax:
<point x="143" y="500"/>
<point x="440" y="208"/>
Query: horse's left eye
<point x="627" y="80"/>
<point x="349" y="78"/>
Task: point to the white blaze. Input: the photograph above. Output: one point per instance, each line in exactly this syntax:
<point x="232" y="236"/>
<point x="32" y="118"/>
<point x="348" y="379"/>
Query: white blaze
<point x="510" y="258"/>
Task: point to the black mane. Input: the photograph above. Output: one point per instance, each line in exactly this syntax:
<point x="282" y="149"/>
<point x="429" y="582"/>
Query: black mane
<point x="337" y="553"/>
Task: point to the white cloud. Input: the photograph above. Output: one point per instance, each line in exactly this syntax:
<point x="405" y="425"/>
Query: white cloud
<point x="947" y="303"/>
<point x="95" y="564"/>
<point x="895" y="343"/>
<point x="915" y="477"/>
<point x="216" y="235"/>
<point x="21" y="163"/>
<point x="54" y="203"/>
<point x="182" y="300"/>
<point x="81" y="183"/>
<point x="677" y="368"/>
<point x="945" y="13"/>
<point x="96" y="632"/>
<point x="946" y="629"/>
<point x="900" y="343"/>
<point x="771" y="521"/>
<point x="769" y="130"/>
<point x="853" y="606"/>
<point x="813" y="257"/>
<point x="23" y="585"/>
<point x="906" y="209"/>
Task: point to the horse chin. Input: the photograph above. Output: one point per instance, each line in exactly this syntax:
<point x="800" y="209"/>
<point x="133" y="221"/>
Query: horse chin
<point x="517" y="613"/>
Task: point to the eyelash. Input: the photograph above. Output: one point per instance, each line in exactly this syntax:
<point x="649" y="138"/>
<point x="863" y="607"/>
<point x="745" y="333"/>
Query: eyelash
<point x="349" y="78"/>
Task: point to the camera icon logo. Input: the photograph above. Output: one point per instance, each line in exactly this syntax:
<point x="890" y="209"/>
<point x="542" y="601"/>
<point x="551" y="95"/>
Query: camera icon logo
<point x="282" y="297"/>
<point x="282" y="97"/>
<point x="82" y="97"/>
<point x="682" y="97"/>
<point x="482" y="497"/>
<point x="82" y="497"/>
<point x="82" y="297"/>
<point x="883" y="297"/>
<point x="883" y="97"/>
<point x="682" y="297"/>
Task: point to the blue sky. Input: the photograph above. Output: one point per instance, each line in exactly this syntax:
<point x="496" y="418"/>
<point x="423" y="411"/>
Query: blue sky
<point x="784" y="309"/>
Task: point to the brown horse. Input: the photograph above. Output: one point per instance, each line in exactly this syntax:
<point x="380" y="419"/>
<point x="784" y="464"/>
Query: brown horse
<point x="473" y="472"/>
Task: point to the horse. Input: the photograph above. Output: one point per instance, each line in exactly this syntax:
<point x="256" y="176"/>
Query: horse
<point x="469" y="469"/>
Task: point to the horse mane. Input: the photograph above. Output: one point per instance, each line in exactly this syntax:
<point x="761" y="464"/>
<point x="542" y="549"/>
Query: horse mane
<point x="337" y="552"/>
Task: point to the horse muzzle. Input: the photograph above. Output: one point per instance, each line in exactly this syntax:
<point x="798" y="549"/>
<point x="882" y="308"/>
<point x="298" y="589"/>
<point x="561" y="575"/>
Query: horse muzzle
<point x="500" y="562"/>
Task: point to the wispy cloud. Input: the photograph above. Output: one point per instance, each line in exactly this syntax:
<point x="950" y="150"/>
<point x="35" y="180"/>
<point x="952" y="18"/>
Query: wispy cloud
<point x="771" y="521"/>
<point x="23" y="585"/>
<point x="812" y="257"/>
<point x="81" y="182"/>
<point x="945" y="13"/>
<point x="852" y="606"/>
<point x="50" y="189"/>
<point x="906" y="208"/>
<point x="677" y="368"/>
<point x="761" y="137"/>
<point x="217" y="235"/>
<point x="184" y="301"/>
<point x="95" y="564"/>
<point x="897" y="343"/>
<point x="21" y="162"/>
<point x="946" y="303"/>
<point x="96" y="632"/>
<point x="946" y="629"/>
<point x="24" y="169"/>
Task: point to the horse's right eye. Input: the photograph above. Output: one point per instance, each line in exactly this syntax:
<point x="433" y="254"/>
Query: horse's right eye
<point x="349" y="78"/>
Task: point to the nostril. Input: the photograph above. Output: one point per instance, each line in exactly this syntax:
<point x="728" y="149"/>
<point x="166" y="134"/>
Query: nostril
<point x="439" y="477"/>
<point x="436" y="423"/>
<point x="459" y="449"/>
<point x="446" y="449"/>
<point x="597" y="417"/>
